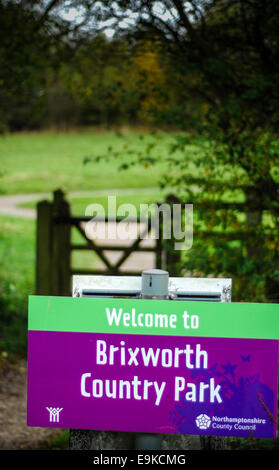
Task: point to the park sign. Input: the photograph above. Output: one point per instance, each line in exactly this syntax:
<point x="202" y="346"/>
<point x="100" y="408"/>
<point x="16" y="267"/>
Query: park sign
<point x="169" y="367"/>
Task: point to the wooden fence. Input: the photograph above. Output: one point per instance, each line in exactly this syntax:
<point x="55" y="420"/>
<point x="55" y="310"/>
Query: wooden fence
<point x="54" y="248"/>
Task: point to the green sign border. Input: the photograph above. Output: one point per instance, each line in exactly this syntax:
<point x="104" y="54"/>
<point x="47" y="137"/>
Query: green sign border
<point x="215" y="319"/>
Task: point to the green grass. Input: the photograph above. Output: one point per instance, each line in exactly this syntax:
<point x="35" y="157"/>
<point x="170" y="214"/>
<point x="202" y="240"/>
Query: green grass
<point x="43" y="162"/>
<point x="17" y="273"/>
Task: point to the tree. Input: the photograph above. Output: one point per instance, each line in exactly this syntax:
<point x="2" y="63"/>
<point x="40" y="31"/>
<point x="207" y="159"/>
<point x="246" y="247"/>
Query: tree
<point x="96" y="77"/>
<point x="225" y="53"/>
<point x="26" y="39"/>
<point x="238" y="79"/>
<point x="32" y="41"/>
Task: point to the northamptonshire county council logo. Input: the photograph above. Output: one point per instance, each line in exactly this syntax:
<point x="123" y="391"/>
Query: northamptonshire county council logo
<point x="54" y="414"/>
<point x="203" y="421"/>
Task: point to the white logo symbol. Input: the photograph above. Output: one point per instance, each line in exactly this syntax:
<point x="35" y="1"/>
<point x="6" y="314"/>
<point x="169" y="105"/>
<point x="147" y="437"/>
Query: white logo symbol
<point x="203" y="421"/>
<point x="54" y="414"/>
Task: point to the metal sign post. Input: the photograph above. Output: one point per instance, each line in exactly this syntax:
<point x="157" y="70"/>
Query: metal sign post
<point x="153" y="284"/>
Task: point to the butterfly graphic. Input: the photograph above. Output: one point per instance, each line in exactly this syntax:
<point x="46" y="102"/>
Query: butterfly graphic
<point x="245" y="358"/>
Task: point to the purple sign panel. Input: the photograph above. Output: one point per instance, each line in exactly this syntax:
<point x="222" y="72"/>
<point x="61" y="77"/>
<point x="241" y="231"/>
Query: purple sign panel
<point x="157" y="384"/>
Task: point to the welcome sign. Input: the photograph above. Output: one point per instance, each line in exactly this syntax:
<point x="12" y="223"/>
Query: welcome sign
<point x="153" y="366"/>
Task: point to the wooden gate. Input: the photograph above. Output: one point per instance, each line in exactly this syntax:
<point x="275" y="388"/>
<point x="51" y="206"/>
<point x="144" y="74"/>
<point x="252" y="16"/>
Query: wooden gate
<point x="55" y="246"/>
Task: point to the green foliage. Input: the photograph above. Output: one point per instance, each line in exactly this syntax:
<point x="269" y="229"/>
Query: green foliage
<point x="223" y="57"/>
<point x="17" y="255"/>
<point x="23" y="64"/>
<point x="96" y="79"/>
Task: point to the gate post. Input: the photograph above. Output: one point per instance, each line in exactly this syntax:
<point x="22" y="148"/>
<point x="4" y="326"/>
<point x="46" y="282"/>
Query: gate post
<point x="173" y="257"/>
<point x="53" y="247"/>
<point x="44" y="248"/>
<point x="61" y="246"/>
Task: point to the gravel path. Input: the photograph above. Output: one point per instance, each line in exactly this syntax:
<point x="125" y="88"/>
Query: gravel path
<point x="9" y="204"/>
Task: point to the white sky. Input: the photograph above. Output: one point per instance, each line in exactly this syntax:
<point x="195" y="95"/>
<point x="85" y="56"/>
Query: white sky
<point x="76" y="15"/>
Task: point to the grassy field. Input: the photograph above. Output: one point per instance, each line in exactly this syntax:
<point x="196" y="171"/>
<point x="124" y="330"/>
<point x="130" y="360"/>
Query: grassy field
<point x="17" y="272"/>
<point x="43" y="162"/>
